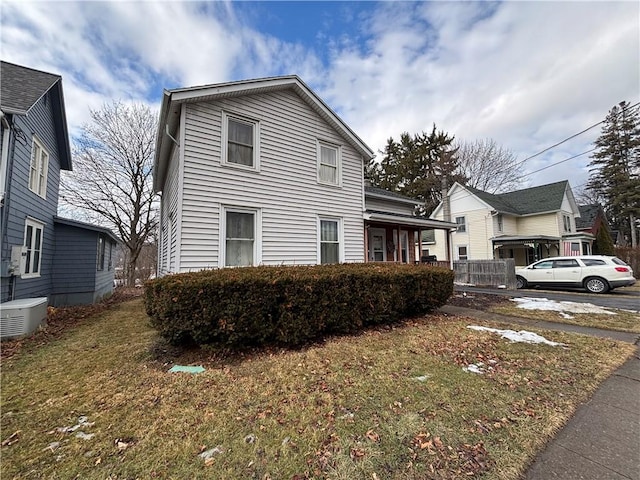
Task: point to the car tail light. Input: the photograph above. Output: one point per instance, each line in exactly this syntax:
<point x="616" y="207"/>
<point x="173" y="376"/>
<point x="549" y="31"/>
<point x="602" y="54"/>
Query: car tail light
<point x="622" y="269"/>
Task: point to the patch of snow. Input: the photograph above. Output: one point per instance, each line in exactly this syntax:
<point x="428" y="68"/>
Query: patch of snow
<point x="502" y="286"/>
<point x="529" y="303"/>
<point x="210" y="453"/>
<point x="85" y="436"/>
<point x="521" y="336"/>
<point x="474" y="368"/>
<point x="52" y="446"/>
<point x="461" y="284"/>
<point x="421" y="378"/>
<point x="82" y="422"/>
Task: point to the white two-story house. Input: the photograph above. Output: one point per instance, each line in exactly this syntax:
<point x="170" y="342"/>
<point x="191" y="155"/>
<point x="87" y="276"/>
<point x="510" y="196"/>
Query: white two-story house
<point x="263" y="172"/>
<point x="525" y="225"/>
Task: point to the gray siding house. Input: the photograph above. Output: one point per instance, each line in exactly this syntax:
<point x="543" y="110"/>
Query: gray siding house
<point x="263" y="172"/>
<point x="35" y="148"/>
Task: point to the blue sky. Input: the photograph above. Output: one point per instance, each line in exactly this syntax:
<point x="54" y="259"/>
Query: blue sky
<point x="527" y="74"/>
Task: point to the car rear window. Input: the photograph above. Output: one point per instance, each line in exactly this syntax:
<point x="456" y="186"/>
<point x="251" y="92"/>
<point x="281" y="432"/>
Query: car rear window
<point x="617" y="261"/>
<point x="591" y="262"/>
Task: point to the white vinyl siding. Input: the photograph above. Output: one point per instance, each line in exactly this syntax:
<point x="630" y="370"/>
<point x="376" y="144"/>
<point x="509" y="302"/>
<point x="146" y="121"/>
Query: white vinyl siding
<point x="241" y="141"/>
<point x="38" y="169"/>
<point x="169" y="245"/>
<point x="329" y="234"/>
<point x="33" y="236"/>
<point x="328" y="163"/>
<point x="285" y="190"/>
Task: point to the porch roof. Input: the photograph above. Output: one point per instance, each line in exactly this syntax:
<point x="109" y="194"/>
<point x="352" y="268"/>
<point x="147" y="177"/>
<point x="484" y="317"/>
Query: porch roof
<point x="408" y="220"/>
<point x="519" y="240"/>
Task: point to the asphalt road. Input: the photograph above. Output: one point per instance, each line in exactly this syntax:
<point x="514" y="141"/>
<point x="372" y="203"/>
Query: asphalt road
<point x="618" y="298"/>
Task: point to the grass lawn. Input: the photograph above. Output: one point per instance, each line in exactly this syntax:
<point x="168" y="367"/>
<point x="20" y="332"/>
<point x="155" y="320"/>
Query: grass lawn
<point x="622" y="320"/>
<point x="390" y="403"/>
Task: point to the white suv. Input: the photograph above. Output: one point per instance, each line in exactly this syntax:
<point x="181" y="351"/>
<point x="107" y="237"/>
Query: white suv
<point x="595" y="273"/>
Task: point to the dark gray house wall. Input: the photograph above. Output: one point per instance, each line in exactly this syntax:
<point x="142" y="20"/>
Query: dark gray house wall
<point x="77" y="277"/>
<point x="21" y="203"/>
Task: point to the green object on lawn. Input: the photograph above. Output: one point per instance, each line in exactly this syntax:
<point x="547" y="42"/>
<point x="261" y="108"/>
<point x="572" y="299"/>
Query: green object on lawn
<point x="187" y="369"/>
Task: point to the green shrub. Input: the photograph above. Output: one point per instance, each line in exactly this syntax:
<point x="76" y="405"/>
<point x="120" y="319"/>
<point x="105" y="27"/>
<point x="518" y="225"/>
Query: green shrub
<point x="290" y="305"/>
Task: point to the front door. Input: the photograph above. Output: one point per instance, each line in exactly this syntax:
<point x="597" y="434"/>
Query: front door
<point x="377" y="245"/>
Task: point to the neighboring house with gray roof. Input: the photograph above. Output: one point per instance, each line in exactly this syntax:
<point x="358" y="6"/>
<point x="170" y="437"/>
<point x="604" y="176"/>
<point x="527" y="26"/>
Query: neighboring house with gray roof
<point x="526" y="225"/>
<point x="42" y="255"/>
<point x="263" y="172"/>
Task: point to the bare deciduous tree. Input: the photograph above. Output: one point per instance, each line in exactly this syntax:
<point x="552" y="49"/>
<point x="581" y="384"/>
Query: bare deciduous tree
<point x="488" y="166"/>
<point x="111" y="179"/>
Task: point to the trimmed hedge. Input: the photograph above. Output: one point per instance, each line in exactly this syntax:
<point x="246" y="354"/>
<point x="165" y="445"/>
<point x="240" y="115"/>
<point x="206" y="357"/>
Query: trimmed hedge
<point x="290" y="305"/>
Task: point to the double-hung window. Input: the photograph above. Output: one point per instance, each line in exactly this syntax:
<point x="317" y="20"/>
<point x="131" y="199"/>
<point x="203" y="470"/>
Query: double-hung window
<point x="328" y="164"/>
<point x="240" y="237"/>
<point x="38" y="168"/>
<point x="566" y="220"/>
<point x="463" y="252"/>
<point x="462" y="224"/>
<point x="500" y="221"/>
<point x="329" y="240"/>
<point x="241" y="141"/>
<point x="33" y="237"/>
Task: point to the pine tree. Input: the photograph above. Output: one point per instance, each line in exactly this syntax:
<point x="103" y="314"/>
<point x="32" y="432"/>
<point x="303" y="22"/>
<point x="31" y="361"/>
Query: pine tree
<point x="603" y="244"/>
<point x="615" y="168"/>
<point x="416" y="165"/>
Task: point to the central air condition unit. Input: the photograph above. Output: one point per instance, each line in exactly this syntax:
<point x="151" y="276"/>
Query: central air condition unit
<point x="21" y="317"/>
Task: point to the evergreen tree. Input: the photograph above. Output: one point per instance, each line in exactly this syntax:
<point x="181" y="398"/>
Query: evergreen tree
<point x="615" y="169"/>
<point x="603" y="244"/>
<point x="416" y="166"/>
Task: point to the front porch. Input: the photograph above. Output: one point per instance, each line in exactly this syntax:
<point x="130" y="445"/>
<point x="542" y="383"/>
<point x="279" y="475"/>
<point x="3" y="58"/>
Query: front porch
<point x="391" y="237"/>
<point x="528" y="249"/>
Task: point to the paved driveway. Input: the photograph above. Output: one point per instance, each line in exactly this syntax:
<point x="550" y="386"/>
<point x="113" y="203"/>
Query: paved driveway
<point x="618" y="298"/>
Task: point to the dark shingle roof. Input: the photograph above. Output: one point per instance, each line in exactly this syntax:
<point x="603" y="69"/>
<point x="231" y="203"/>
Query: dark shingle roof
<point x="588" y="215"/>
<point x="391" y="195"/>
<point x="22" y="87"/>
<point x="544" y="198"/>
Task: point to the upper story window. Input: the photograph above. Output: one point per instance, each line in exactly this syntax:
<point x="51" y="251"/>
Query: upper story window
<point x="33" y="236"/>
<point x="240" y="141"/>
<point x="38" y="169"/>
<point x="566" y="220"/>
<point x="101" y="252"/>
<point x="500" y="221"/>
<point x="328" y="164"/>
<point x="462" y="224"/>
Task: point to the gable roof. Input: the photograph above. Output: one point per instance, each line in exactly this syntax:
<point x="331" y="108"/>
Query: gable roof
<point x="173" y="99"/>
<point x="528" y="201"/>
<point x="589" y="215"/>
<point x="22" y="87"/>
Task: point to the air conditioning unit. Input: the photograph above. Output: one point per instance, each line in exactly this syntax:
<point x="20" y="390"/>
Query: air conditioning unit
<point x="21" y="317"/>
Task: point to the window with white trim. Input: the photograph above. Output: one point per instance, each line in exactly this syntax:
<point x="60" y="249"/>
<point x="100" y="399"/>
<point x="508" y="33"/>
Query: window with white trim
<point x="328" y="163"/>
<point x="566" y="220"/>
<point x="329" y="240"/>
<point x="38" y="168"/>
<point x="462" y="224"/>
<point x="500" y="221"/>
<point x="240" y="237"/>
<point x="240" y="145"/>
<point x="33" y="237"/>
<point x="462" y="252"/>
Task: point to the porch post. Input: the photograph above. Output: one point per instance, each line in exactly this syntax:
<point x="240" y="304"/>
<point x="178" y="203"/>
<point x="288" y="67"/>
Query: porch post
<point x="366" y="242"/>
<point x="399" y="246"/>
<point x="449" y="248"/>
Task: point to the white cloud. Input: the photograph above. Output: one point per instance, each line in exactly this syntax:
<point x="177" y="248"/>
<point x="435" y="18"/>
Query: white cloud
<point x="527" y="74"/>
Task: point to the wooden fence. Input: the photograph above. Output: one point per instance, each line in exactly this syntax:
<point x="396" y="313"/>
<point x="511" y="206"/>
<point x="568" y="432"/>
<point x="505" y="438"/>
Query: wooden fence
<point x="486" y="273"/>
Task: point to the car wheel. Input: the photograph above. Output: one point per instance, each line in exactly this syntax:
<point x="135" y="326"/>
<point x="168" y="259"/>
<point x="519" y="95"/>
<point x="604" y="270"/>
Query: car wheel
<point x="521" y="282"/>
<point x="596" y="285"/>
